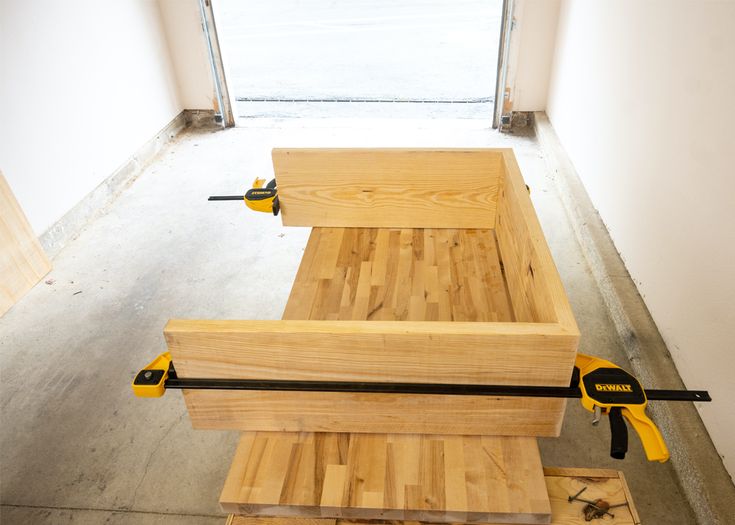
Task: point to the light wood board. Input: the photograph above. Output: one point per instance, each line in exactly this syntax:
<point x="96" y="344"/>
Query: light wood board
<point x="378" y="476"/>
<point x="437" y="352"/>
<point x="388" y="188"/>
<point x="609" y="485"/>
<point x="398" y="275"/>
<point x="22" y="260"/>
<point x="536" y="290"/>
<point x="397" y="413"/>
<point x="409" y="351"/>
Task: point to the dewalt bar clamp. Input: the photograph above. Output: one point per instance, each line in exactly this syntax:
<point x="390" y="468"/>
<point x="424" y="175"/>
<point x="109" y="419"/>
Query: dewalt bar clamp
<point x="603" y="388"/>
<point x="257" y="198"/>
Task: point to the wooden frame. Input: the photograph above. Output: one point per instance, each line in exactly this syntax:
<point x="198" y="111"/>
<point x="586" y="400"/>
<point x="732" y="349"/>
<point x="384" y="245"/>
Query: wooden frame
<point x="408" y="189"/>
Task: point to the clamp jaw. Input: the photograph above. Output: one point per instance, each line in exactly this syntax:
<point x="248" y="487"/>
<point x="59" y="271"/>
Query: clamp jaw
<point x="608" y="389"/>
<point x="263" y="199"/>
<point x="151" y="380"/>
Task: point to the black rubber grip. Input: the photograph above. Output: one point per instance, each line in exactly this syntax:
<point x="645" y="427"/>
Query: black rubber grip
<point x="619" y="439"/>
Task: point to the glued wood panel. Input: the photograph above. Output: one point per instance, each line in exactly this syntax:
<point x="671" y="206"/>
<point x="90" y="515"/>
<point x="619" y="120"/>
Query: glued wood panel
<point x="400" y="274"/>
<point x="560" y="484"/>
<point x="394" y="413"/>
<point x="388" y="188"/>
<point x="385" y="476"/>
<point x="22" y="260"/>
<point x="438" y="352"/>
<point x="405" y="351"/>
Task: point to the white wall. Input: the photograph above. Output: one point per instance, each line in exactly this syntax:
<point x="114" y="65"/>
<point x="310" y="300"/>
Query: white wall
<point x="188" y="46"/>
<point x="83" y="84"/>
<point x="642" y="96"/>
<point x="531" y="52"/>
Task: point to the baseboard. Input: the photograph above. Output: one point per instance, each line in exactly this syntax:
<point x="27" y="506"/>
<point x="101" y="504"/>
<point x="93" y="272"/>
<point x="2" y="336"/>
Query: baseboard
<point x="69" y="226"/>
<point x="704" y="480"/>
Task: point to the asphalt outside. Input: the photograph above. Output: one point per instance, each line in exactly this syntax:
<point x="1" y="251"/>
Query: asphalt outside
<point x="431" y="58"/>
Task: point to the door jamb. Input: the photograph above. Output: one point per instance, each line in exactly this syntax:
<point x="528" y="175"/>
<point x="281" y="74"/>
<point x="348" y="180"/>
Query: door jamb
<point x="506" y="26"/>
<point x="226" y="115"/>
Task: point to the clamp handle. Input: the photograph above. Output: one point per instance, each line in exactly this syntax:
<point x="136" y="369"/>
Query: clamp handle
<point x="619" y="434"/>
<point x="609" y="389"/>
<point x="651" y="438"/>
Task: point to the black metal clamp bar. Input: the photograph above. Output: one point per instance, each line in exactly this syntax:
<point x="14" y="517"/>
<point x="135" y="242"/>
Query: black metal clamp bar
<point x="413" y="388"/>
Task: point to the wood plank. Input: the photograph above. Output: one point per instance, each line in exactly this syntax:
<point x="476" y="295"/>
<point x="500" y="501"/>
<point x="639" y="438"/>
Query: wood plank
<point x="611" y="488"/>
<point x="388" y="188"/>
<point x="536" y="291"/>
<point x="394" y="413"/>
<point x="22" y="260"/>
<point x="379" y="467"/>
<point x="404" y="351"/>
<point x="372" y="351"/>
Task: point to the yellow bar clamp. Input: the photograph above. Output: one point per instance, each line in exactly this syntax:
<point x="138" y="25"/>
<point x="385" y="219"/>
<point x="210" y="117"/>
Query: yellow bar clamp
<point x="608" y="389"/>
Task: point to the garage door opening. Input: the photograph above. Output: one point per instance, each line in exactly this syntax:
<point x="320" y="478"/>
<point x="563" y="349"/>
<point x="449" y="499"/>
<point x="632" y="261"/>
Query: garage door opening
<point x="410" y="59"/>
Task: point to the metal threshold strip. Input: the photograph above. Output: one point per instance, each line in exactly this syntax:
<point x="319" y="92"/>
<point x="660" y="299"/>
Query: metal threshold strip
<point x="368" y="100"/>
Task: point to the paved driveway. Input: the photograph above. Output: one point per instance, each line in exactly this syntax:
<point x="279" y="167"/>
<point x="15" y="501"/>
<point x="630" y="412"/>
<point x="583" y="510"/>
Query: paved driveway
<point x="365" y="49"/>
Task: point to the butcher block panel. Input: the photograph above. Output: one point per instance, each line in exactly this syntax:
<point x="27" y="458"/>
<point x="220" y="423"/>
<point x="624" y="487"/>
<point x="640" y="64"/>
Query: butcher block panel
<point x="400" y="275"/>
<point x="435" y="478"/>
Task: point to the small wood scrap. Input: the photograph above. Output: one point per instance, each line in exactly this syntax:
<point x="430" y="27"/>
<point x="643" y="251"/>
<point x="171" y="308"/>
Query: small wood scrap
<point x="584" y="495"/>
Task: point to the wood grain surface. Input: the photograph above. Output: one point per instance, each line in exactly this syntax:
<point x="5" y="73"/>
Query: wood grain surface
<point x="396" y="413"/>
<point x="536" y="290"/>
<point x="414" y="305"/>
<point x="400" y="274"/>
<point x="560" y="484"/>
<point x="22" y="260"/>
<point x="384" y="476"/>
<point x="388" y="188"/>
<point x="405" y="351"/>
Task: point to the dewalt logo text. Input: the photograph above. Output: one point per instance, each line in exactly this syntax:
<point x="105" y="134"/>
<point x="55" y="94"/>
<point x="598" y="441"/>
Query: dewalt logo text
<point x="613" y="388"/>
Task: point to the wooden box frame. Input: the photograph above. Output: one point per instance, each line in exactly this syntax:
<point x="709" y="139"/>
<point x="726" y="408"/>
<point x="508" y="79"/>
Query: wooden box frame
<point x="409" y="189"/>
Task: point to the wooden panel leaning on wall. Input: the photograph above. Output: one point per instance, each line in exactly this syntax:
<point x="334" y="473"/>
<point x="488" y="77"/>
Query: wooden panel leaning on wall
<point x="22" y="260"/>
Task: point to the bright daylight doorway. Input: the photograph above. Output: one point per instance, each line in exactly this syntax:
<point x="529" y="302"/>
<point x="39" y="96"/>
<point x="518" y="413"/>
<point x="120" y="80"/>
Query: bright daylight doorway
<point x="410" y="59"/>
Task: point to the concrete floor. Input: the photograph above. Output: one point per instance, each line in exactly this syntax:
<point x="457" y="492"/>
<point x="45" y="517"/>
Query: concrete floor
<point x="77" y="447"/>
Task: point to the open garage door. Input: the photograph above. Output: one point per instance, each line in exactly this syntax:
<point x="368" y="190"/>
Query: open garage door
<point x="354" y="59"/>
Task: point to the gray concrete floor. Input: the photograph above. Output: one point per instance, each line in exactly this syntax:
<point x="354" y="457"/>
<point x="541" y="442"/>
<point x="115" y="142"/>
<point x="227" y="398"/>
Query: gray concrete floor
<point x="385" y="49"/>
<point x="77" y="447"/>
